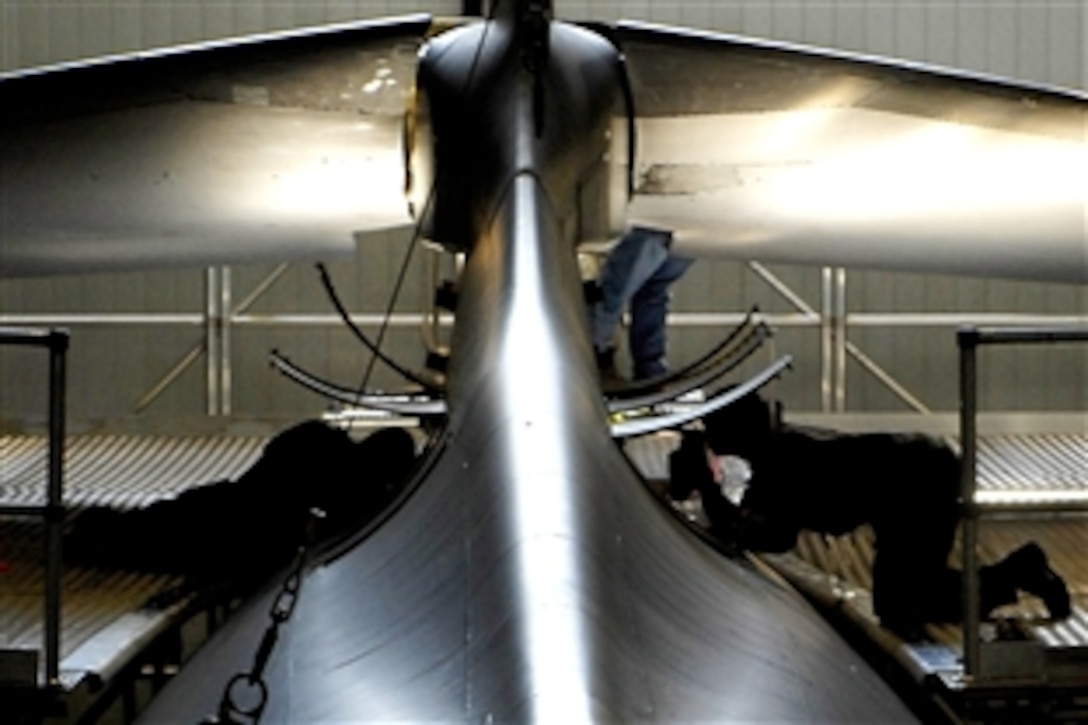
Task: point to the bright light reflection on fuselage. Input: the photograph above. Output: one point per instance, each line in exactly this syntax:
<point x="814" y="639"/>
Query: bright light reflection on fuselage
<point x="541" y="476"/>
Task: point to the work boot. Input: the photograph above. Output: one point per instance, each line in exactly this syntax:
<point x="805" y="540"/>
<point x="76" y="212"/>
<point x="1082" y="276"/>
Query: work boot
<point x="606" y="366"/>
<point x="649" y="369"/>
<point x="1028" y="570"/>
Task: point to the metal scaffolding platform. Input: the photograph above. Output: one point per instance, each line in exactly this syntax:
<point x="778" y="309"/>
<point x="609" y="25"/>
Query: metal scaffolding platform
<point x="107" y="617"/>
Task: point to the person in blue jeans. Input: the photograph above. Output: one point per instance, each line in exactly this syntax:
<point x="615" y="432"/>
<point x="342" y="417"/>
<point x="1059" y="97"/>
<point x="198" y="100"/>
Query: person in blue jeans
<point x="636" y="274"/>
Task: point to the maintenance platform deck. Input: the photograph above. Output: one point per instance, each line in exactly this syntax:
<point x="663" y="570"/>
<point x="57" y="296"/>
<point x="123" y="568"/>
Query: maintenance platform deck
<point x="109" y="619"/>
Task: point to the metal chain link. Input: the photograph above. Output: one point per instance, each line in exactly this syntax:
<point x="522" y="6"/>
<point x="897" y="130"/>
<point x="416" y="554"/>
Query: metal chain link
<point x="246" y="694"/>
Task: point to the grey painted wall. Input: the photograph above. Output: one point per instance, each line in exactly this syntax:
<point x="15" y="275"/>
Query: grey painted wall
<point x="1037" y="40"/>
<point x="113" y="366"/>
<point x="38" y="33"/>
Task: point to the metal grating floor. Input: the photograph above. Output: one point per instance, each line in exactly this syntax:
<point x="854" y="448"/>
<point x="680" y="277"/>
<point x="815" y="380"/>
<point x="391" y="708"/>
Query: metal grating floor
<point x="122" y="471"/>
<point x="845" y="562"/>
<point x="1033" y="469"/>
<point x="133" y="471"/>
<point x="109" y="470"/>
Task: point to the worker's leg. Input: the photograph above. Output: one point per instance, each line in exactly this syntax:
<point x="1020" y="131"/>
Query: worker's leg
<point x="649" y="309"/>
<point x="630" y="263"/>
<point x="912" y="583"/>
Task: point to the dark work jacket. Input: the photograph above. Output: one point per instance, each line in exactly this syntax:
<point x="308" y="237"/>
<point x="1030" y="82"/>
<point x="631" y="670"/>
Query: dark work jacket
<point x="832" y="483"/>
<point x="251" y="526"/>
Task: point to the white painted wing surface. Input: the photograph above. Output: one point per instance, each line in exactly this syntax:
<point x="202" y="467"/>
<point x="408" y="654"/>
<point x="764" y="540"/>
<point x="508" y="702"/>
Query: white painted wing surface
<point x="267" y="148"/>
<point x="772" y="152"/>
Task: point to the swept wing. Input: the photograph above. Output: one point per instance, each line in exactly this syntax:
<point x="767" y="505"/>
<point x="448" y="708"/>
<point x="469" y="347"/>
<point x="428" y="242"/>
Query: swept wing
<point x="777" y="152"/>
<point x="270" y="147"/>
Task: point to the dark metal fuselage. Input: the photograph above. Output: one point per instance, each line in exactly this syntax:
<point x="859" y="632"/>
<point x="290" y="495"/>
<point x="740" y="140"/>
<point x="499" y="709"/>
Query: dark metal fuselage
<point x="530" y="577"/>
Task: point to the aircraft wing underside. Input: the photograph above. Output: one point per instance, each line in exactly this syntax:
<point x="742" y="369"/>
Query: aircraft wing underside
<point x="780" y="153"/>
<point x="284" y="146"/>
<point x="265" y="148"/>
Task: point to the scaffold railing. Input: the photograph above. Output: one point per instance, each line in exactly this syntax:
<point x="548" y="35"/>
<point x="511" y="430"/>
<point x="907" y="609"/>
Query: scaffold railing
<point x="969" y="339"/>
<point x="53" y="511"/>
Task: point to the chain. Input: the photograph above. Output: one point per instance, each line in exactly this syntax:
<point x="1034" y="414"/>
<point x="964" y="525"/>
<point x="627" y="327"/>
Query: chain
<point x="246" y="694"/>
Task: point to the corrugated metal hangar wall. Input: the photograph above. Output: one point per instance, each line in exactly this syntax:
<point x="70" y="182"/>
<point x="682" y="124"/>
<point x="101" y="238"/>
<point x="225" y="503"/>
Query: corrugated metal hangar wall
<point x="137" y="338"/>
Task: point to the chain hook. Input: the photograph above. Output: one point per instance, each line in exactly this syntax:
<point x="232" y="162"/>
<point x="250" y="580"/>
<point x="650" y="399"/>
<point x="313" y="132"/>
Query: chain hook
<point x="283" y="606"/>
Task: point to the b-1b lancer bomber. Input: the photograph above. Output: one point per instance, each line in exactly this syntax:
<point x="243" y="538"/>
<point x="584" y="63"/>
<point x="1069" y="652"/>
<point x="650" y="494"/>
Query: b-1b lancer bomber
<point x="527" y="575"/>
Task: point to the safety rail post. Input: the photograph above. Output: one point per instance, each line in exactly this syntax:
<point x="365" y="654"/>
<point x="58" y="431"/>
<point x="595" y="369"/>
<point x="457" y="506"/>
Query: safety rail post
<point x="56" y="340"/>
<point x="969" y="339"/>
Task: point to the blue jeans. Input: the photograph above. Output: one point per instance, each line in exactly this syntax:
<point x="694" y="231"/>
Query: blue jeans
<point x="638" y="272"/>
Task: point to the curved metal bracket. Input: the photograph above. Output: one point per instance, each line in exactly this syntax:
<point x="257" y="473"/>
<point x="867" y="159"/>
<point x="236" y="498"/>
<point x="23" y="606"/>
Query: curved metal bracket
<point x="375" y="348"/>
<point x="400" y="404"/>
<point x="654" y="423"/>
<point x="649" y="385"/>
<point x="711" y="371"/>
